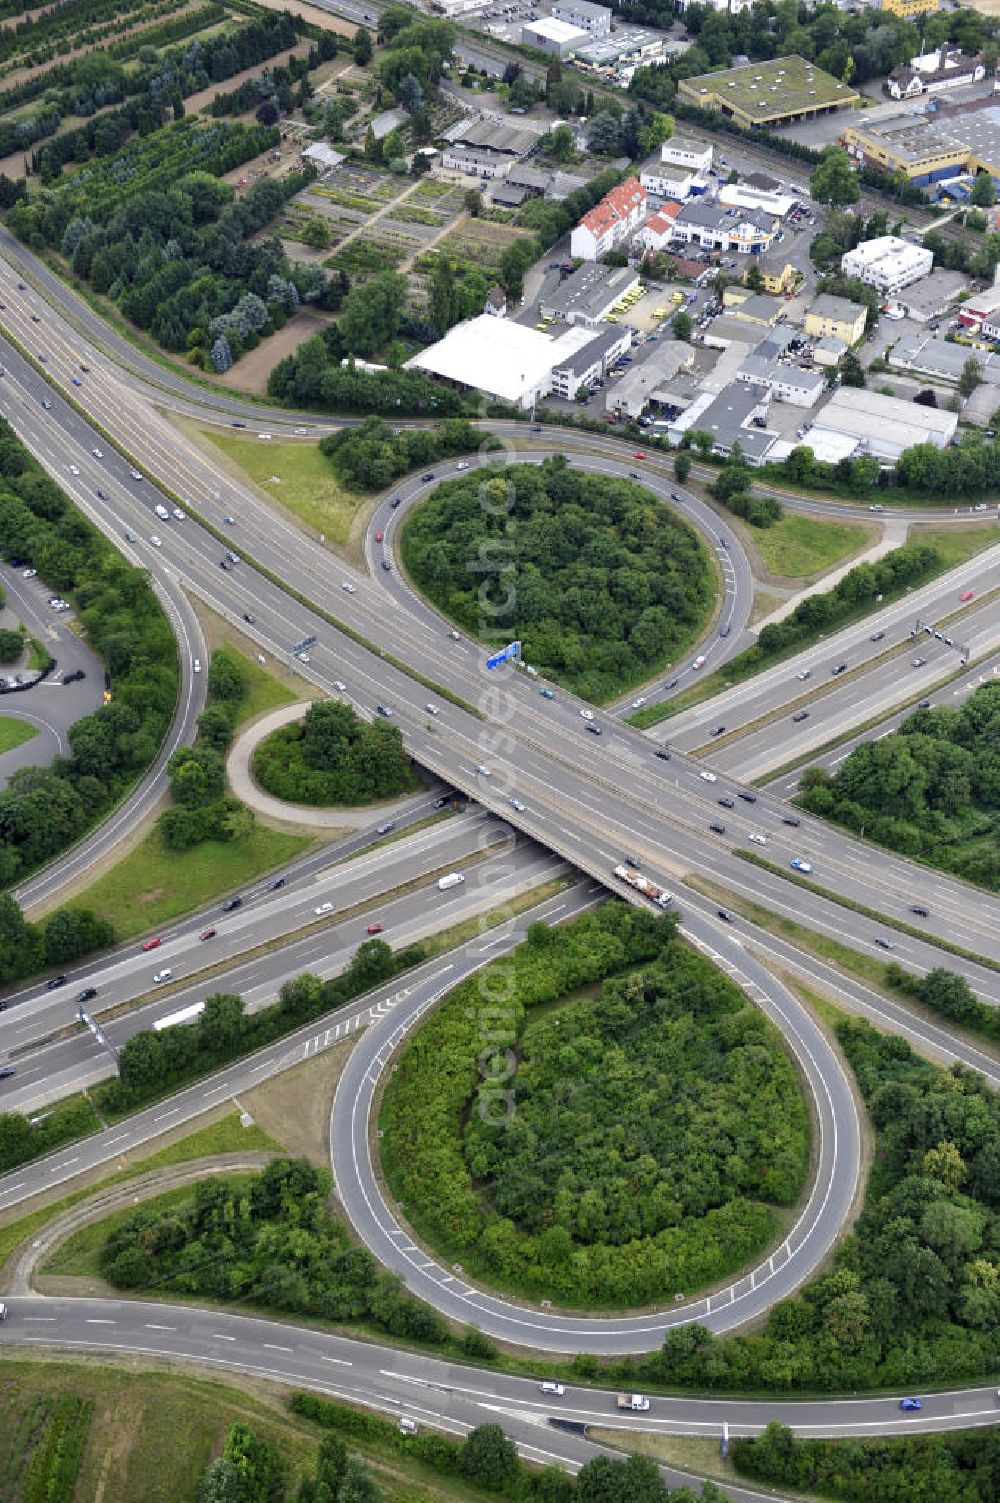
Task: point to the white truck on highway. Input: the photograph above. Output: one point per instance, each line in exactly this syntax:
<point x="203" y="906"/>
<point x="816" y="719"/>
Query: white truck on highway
<point x="658" y="895"/>
<point x="634" y="1401"/>
<point x="453" y="879"/>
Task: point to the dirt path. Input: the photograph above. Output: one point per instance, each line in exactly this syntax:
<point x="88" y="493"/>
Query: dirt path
<point x="446" y="229"/>
<point x="381" y="214"/>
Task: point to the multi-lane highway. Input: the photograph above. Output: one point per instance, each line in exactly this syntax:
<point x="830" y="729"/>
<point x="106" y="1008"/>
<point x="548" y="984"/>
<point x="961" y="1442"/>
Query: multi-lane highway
<point x="588" y="798"/>
<point x="314" y="922"/>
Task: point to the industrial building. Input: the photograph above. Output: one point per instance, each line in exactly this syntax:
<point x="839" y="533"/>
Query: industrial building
<point x="504" y="359"/>
<point x="587" y="365"/>
<point x="785" y="382"/>
<point x="933" y="143"/>
<point x="979" y="307"/>
<point x="751" y="307"/>
<point x="589" y="294"/>
<point x="595" y="20"/>
<point x="859" y="421"/>
<point x="836" y="316"/>
<point x="887" y="263"/>
<point x="487" y="148"/>
<point x="646" y="380"/>
<point x="779" y="92"/>
<point x="940" y="361"/>
<point x="735" y="415"/>
<point x="617" y="56"/>
<point x="557" y="38"/>
<point x="611" y="223"/>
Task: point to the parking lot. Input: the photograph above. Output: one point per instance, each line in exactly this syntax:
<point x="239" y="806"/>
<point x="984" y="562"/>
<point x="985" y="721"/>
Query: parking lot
<point x="50" y="705"/>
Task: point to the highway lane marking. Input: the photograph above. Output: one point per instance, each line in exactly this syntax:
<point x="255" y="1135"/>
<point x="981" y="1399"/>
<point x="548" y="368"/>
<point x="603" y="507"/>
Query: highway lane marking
<point x="64" y="1165"/>
<point x="172" y="1113"/>
<point x="218" y="1336"/>
<point x="151" y="1327"/>
<point x="95" y="1320"/>
<point x="339" y="1361"/>
<point x="41" y="1318"/>
<point x="270" y="1346"/>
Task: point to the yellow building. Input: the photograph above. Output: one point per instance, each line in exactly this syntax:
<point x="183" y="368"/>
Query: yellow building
<point x="910" y="7"/>
<point x="777" y="274"/>
<point x="837" y="316"/>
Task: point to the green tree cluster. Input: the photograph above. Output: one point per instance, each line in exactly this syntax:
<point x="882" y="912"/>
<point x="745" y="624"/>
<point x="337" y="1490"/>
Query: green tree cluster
<point x="202" y="809"/>
<point x="170" y="243"/>
<point x="272" y="1243"/>
<point x="602" y="584"/>
<point x="332" y="756"/>
<point x="314" y="376"/>
<point x="963" y="1467"/>
<point x="932" y="789"/>
<point x="948" y="994"/>
<point x="488" y="1458"/>
<point x="913" y="1298"/>
<point x="373" y="455"/>
<point x="885" y="576"/>
<point x="640" y="1133"/>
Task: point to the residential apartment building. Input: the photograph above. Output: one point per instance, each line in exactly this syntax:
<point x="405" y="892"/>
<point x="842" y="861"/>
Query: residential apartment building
<point x="611" y="223"/>
<point x="837" y="316"/>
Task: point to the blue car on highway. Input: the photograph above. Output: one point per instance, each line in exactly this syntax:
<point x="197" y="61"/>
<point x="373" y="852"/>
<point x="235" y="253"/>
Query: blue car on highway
<point x="909" y="1404"/>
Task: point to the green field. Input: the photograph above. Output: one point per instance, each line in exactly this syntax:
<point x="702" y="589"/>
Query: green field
<point x="14" y="733"/>
<point x="799" y="547"/>
<point x="955" y="544"/>
<point x="264" y="691"/>
<point x="152" y="884"/>
<point x="152" y="1435"/>
<point x="298" y="477"/>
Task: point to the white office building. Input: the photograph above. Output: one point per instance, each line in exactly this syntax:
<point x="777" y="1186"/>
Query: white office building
<point x="887" y="263"/>
<point x="594" y="19"/>
<point x="683" y="151"/>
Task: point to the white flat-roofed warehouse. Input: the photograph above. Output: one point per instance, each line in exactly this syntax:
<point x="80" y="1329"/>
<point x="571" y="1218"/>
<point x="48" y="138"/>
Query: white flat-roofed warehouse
<point x="859" y="421"/>
<point x="557" y="37"/>
<point x="501" y="358"/>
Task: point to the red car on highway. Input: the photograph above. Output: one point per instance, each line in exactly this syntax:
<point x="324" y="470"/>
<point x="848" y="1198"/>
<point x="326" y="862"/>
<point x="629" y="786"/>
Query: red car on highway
<point x="968" y="595"/>
<point x="374" y="928"/>
<point x="152" y="944"/>
<point x="639" y="454"/>
<point x="208" y="934"/>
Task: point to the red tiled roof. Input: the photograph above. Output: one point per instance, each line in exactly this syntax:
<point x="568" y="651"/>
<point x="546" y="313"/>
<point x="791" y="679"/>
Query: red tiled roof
<point x="614" y="206"/>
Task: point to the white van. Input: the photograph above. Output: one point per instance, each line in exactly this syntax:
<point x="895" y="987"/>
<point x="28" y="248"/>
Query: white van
<point x="699" y="661"/>
<point x="163" y="975"/>
<point x="3" y="1310"/>
<point x="162" y="513"/>
<point x="453" y="879"/>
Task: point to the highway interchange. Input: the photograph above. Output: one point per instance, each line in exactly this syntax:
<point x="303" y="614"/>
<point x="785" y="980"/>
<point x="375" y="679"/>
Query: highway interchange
<point x="587" y="801"/>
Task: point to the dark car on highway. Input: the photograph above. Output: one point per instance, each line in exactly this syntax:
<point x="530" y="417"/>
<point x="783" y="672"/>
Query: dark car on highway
<point x="55" y="981"/>
<point x="231" y="904"/>
<point x="87" y="993"/>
